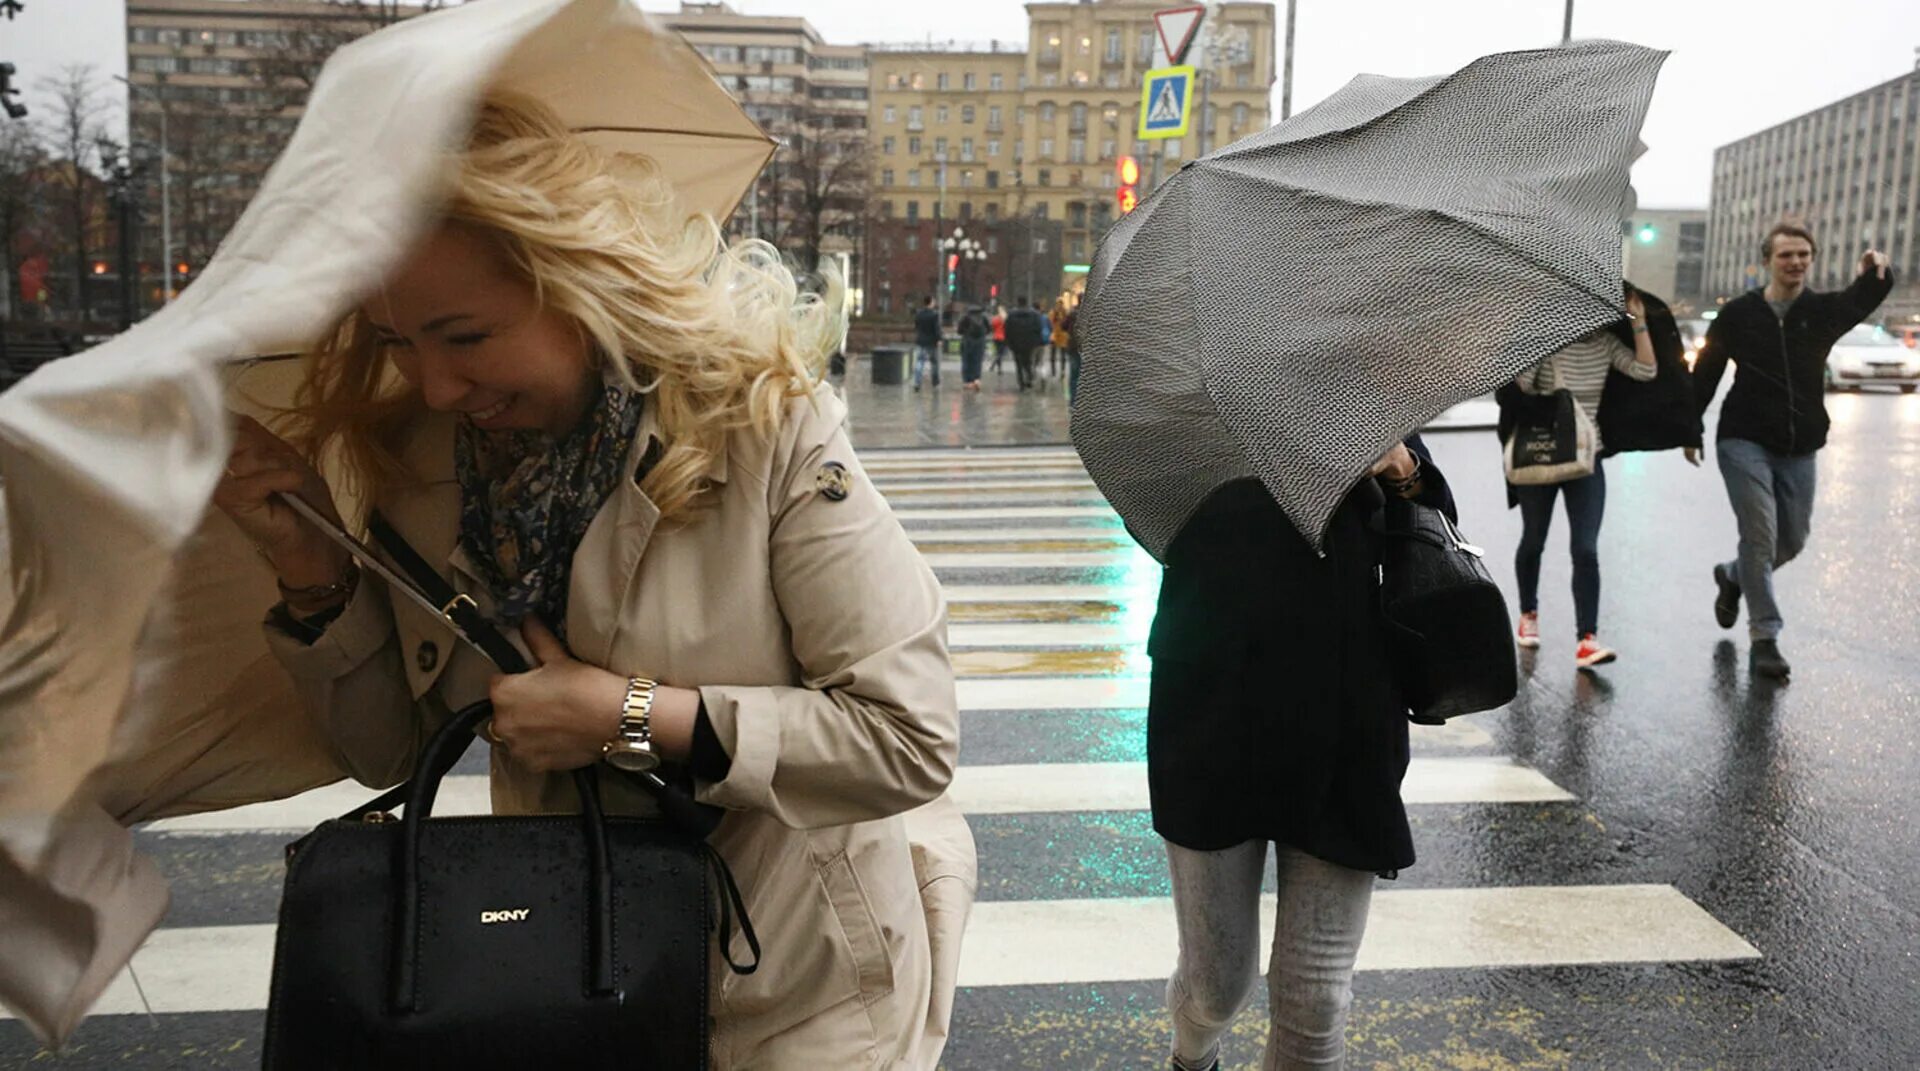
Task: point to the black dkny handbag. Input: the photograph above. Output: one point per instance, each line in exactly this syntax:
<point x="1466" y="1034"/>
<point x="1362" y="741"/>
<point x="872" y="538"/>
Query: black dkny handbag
<point x="1449" y="634"/>
<point x="575" y="941"/>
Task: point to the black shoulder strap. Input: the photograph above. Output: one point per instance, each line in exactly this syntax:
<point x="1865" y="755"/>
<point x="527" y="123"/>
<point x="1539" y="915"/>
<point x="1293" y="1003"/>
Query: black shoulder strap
<point x="458" y="609"/>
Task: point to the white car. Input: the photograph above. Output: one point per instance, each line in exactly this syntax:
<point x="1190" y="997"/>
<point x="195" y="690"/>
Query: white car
<point x="1870" y="357"/>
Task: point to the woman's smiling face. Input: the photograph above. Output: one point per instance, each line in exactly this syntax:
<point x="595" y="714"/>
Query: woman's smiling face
<point x="460" y="326"/>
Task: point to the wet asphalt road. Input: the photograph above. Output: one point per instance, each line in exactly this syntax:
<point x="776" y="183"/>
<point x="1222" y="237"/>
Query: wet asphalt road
<point x="1788" y="813"/>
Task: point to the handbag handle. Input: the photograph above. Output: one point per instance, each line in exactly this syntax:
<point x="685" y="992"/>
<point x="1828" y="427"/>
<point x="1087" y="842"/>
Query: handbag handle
<point x="440" y="755"/>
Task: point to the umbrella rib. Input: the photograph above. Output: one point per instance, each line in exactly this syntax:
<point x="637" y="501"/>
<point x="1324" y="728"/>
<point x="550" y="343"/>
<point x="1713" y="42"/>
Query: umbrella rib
<point x="759" y="137"/>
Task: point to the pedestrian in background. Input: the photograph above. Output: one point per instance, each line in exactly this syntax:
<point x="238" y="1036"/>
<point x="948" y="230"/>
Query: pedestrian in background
<point x="999" y="337"/>
<point x="1057" y="335"/>
<point x="1274" y="716"/>
<point x="1582" y="368"/>
<point x="1073" y="354"/>
<point x="1026" y="332"/>
<point x="1775" y="420"/>
<point x="974" y="330"/>
<point x="926" y="342"/>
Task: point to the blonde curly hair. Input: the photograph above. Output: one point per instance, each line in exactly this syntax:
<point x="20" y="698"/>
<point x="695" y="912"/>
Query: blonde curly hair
<point x="718" y="334"/>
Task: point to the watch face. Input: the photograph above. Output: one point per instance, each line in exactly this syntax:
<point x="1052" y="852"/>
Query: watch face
<point x="632" y="760"/>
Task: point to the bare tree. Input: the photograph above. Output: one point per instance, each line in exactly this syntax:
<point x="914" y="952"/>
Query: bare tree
<point x="23" y="168"/>
<point x="829" y="173"/>
<point x="73" y="131"/>
<point x="289" y="71"/>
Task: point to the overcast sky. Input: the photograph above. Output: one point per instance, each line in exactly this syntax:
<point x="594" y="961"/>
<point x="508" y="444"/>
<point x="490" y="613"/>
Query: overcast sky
<point x="1738" y="65"/>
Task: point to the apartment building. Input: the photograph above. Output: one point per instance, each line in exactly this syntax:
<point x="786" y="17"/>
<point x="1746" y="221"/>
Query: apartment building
<point x="1848" y="169"/>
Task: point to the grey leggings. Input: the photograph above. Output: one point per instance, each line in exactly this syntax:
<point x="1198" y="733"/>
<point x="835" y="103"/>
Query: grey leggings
<point x="1317" y="928"/>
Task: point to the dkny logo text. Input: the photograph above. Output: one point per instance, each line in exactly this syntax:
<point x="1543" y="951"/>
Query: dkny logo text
<point x="488" y="918"/>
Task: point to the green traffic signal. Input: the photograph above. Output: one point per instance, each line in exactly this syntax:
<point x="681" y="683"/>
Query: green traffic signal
<point x="1648" y="232"/>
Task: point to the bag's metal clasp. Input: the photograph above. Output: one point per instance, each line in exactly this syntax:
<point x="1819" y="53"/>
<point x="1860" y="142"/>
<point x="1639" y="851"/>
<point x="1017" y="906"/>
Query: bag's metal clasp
<point x="447" y="610"/>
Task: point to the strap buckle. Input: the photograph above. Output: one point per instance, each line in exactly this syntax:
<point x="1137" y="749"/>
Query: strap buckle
<point x="453" y="604"/>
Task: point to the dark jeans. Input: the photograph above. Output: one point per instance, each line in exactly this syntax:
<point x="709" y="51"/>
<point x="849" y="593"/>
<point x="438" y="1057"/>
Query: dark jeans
<point x="972" y="354"/>
<point x="1586" y="505"/>
<point x="1772" y="497"/>
<point x="1023" y="366"/>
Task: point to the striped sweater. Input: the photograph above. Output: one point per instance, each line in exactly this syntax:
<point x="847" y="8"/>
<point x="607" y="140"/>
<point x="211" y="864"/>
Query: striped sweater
<point x="1582" y="367"/>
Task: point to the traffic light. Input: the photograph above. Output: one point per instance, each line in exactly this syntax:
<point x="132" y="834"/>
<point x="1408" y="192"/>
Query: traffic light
<point x="14" y="109"/>
<point x="1129" y="174"/>
<point x="1647" y="233"/>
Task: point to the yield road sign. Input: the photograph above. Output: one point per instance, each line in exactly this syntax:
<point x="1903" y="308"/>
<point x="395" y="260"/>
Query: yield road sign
<point x="1177" y="26"/>
<point x="1166" y="103"/>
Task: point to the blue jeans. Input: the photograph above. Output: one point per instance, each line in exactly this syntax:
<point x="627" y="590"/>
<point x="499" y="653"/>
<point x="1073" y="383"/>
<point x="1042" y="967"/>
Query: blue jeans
<point x="1586" y="506"/>
<point x="1320" y="918"/>
<point x="1772" y="498"/>
<point x="922" y="357"/>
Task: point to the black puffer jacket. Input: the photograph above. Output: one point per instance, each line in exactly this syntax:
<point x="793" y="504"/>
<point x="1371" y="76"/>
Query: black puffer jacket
<point x="1778" y="398"/>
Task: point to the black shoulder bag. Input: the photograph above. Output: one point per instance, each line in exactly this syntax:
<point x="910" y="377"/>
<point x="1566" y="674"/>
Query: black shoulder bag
<point x="1450" y="637"/>
<point x="573" y="941"/>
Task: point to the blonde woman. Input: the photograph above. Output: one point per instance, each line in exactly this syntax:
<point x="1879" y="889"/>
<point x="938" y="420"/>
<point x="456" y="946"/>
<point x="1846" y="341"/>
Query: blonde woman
<point x="604" y="426"/>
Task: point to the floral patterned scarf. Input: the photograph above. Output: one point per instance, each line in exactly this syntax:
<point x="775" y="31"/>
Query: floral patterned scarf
<point x="527" y="497"/>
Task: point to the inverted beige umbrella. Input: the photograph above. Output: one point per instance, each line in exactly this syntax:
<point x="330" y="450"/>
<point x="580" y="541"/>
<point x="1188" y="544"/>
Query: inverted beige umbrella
<point x="134" y="679"/>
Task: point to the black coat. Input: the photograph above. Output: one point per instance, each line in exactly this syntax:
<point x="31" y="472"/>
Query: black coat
<point x="1778" y="398"/>
<point x="926" y="328"/>
<point x="1635" y="415"/>
<point x="1273" y="711"/>
<point x="1027" y="329"/>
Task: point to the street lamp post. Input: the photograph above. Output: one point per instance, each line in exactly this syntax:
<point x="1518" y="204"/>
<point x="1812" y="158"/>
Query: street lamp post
<point x="166" y="184"/>
<point x="121" y="176"/>
<point x="1566" y="27"/>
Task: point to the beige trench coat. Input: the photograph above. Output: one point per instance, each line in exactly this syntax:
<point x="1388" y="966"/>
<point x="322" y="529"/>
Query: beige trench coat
<point x="817" y="638"/>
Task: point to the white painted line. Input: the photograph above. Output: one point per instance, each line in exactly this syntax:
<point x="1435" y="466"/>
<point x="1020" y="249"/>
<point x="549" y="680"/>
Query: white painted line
<point x="1055" y="942"/>
<point x="912" y="487"/>
<point x="918" y="455"/>
<point x="974" y="461"/>
<point x="1002" y="513"/>
<point x="1048" y="559"/>
<point x="989" y="504"/>
<point x="994" y="694"/>
<point x="1079" y="942"/>
<point x="963" y="474"/>
<point x="1018" y="637"/>
<point x="1054" y="788"/>
<point x="989" y="536"/>
<point x="1119" y="593"/>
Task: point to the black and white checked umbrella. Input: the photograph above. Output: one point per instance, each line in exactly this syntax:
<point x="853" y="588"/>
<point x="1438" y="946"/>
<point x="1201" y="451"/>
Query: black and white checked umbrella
<point x="1290" y="306"/>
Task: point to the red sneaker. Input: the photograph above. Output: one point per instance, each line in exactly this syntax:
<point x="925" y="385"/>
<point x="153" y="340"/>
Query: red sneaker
<point x="1529" y="631"/>
<point x="1592" y="652"/>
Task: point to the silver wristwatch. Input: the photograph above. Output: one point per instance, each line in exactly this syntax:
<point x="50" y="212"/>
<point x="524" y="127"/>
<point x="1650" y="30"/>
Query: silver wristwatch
<point x="631" y="749"/>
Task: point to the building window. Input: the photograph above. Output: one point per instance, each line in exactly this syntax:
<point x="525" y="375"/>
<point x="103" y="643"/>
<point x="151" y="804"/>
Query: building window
<point x="996" y="81"/>
<point x="939" y="148"/>
<point x="966" y="211"/>
<point x="993" y="180"/>
<point x="1079" y="249"/>
<point x="913" y="146"/>
<point x="1046" y="148"/>
<point x="1040" y="212"/>
<point x="893" y="114"/>
<point x="1108" y="150"/>
<point x="940" y="81"/>
<point x="1019" y="150"/>
<point x="993" y="148"/>
<point x="893" y="82"/>
<point x="966" y="149"/>
<point x="916" y="118"/>
<point x="1144" y="55"/>
<point x="993" y="117"/>
<point x="918" y="81"/>
<point x="1086" y="45"/>
<point x="1076" y="150"/>
<point x="886" y="145"/>
<point x="967" y="81"/>
<point x="940" y="113"/>
<point x="913" y="216"/>
<point x="886" y="177"/>
<point x="1114" y="48"/>
<point x="1173" y="148"/>
<point x="913" y="177"/>
<point x="1077" y="118"/>
<point x="1046" y="113"/>
<point x="1239" y="116"/>
<point x="993" y="216"/>
<point x="966" y="179"/>
<point x="1077" y="215"/>
<point x="1046" y="176"/>
<point x="966" y="113"/>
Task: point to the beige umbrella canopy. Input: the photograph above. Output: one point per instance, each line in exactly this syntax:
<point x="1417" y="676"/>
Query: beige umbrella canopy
<point x="134" y="681"/>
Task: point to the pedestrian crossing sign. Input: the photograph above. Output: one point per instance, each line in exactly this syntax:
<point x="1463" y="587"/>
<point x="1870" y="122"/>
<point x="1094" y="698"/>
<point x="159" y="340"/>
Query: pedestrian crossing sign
<point x="1166" y="103"/>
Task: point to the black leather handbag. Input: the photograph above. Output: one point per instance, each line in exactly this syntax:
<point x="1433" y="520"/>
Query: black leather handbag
<point x="1450" y="636"/>
<point x="574" y="941"/>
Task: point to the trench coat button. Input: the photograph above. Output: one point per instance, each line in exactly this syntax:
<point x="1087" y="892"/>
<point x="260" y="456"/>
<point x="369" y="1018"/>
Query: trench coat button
<point x="427" y="656"/>
<point x="834" y="482"/>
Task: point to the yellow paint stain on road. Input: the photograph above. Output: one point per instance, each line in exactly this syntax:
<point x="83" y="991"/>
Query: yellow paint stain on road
<point x="1085" y="663"/>
<point x="1070" y="613"/>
